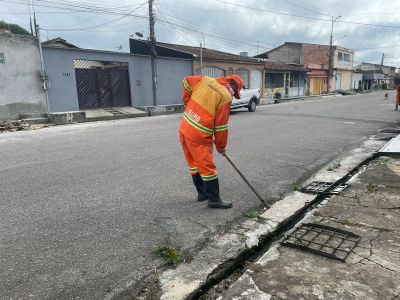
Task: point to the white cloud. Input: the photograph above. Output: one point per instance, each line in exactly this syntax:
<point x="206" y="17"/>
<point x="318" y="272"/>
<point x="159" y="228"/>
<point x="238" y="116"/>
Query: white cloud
<point x="223" y="26"/>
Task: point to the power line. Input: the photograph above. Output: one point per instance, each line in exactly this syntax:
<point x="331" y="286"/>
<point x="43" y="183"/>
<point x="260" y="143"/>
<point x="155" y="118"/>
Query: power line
<point x="306" y="17"/>
<point x="72" y="7"/>
<point x="305" y="8"/>
<point x="203" y="30"/>
<point x="99" y="25"/>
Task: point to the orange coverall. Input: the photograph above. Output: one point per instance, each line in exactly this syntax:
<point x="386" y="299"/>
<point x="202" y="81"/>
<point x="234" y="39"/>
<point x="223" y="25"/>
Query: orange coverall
<point x="208" y="103"/>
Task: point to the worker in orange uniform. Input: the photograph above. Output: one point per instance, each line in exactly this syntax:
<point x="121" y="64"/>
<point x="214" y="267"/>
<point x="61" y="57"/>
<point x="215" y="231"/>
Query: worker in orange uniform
<point x="208" y="102"/>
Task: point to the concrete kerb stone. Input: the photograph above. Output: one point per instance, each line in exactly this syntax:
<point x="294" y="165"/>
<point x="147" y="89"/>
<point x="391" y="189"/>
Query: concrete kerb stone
<point x="162" y="109"/>
<point x="223" y="250"/>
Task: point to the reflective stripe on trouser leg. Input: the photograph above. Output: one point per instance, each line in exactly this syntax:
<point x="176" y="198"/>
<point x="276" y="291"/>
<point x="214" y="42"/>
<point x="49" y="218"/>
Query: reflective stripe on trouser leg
<point x="200" y="157"/>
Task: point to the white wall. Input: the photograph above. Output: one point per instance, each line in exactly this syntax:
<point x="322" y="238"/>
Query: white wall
<point x="356" y="78"/>
<point x="20" y="84"/>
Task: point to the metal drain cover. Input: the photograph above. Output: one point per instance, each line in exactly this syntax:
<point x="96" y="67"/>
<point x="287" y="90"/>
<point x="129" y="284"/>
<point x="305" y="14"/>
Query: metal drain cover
<point x="388" y="136"/>
<point x="322" y="187"/>
<point x="322" y="240"/>
<point x="390" y="130"/>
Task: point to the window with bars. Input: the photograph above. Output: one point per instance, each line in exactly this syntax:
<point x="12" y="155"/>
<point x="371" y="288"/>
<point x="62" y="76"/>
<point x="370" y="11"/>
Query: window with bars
<point x="2" y="60"/>
<point x="344" y="59"/>
<point x="244" y="74"/>
<point x="274" y="80"/>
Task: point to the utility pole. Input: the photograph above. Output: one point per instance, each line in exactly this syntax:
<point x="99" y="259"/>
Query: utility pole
<point x="330" y="61"/>
<point x="43" y="73"/>
<point x="153" y="52"/>
<point x="201" y="59"/>
<point x="383" y="57"/>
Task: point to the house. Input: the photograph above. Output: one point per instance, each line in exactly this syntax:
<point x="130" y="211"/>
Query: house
<point x="82" y="79"/>
<point x="373" y="75"/>
<point x="357" y="81"/>
<point x="216" y="63"/>
<point x="284" y="80"/>
<point x="21" y="87"/>
<point x="315" y="58"/>
<point x="343" y="69"/>
<point x="59" y="43"/>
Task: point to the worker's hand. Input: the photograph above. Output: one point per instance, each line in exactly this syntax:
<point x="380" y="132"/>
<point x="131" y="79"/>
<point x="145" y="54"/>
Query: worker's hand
<point x="221" y="151"/>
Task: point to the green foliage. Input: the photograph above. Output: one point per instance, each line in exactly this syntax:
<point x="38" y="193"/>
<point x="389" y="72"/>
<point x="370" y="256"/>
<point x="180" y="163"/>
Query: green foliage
<point x="384" y="86"/>
<point x="334" y="166"/>
<point x="252" y="214"/>
<point x="372" y="188"/>
<point x="168" y="254"/>
<point x="14" y="28"/>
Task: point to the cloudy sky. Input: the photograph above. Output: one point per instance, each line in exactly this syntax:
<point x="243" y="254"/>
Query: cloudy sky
<point x="369" y="27"/>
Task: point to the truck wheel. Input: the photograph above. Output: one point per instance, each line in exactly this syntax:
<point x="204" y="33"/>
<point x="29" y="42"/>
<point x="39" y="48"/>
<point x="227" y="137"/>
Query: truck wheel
<point x="252" y="105"/>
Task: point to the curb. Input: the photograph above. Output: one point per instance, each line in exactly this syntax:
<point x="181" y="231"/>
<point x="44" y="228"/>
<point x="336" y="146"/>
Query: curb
<point x="226" y="251"/>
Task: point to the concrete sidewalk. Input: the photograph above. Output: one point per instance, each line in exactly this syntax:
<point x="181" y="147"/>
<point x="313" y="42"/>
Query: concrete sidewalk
<point x="369" y="208"/>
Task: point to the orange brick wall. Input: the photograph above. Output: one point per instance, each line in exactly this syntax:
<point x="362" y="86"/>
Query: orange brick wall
<point x="316" y="56"/>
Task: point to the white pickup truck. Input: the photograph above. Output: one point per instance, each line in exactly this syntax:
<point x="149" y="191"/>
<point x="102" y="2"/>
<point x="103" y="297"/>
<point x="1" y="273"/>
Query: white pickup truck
<point x="249" y="99"/>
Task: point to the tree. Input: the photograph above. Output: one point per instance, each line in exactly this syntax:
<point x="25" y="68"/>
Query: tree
<point x="14" y="28"/>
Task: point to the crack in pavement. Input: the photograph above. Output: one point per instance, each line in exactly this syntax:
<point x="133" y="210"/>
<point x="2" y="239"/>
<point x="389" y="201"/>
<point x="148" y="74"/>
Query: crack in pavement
<point x="200" y="224"/>
<point x="374" y="262"/>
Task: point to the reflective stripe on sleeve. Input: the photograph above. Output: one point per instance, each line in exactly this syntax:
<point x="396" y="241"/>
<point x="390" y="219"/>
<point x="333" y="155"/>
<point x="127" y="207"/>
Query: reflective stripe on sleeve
<point x="221" y="128"/>
<point x="187" y="85"/>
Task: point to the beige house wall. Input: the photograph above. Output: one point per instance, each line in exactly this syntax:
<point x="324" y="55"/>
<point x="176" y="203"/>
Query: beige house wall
<point x="346" y="79"/>
<point x="234" y="65"/>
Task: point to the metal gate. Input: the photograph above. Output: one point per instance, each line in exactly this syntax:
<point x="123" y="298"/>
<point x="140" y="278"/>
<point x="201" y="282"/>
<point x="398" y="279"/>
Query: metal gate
<point x="102" y="84"/>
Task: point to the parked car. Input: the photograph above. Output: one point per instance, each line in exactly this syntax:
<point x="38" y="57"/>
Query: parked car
<point x="249" y="99"/>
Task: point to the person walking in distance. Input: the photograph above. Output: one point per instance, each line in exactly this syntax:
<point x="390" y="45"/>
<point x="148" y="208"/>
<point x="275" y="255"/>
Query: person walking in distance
<point x="205" y="121"/>
<point x="397" y="97"/>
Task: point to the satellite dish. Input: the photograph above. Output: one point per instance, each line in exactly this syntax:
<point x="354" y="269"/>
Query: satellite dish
<point x="139" y="34"/>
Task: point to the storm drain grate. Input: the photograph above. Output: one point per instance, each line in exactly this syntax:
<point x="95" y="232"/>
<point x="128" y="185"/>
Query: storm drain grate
<point x="390" y="130"/>
<point x="322" y="187"/>
<point x="322" y="240"/>
<point x="387" y="136"/>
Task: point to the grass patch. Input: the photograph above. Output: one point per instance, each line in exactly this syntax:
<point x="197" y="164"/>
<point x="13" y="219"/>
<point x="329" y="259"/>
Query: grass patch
<point x="252" y="214"/>
<point x="168" y="254"/>
<point x="372" y="188"/>
<point x="334" y="166"/>
<point x="297" y="187"/>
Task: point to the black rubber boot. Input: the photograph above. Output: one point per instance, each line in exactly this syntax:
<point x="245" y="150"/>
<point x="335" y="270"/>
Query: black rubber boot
<point x="199" y="184"/>
<point x="212" y="189"/>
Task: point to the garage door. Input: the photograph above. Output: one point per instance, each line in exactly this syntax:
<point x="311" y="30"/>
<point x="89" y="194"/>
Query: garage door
<point x="102" y="84"/>
<point x="256" y="79"/>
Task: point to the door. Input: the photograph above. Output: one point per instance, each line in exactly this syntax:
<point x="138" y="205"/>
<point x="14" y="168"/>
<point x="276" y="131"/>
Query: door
<point x="316" y="85"/>
<point x="102" y="84"/>
<point x="338" y="83"/>
<point x="256" y="79"/>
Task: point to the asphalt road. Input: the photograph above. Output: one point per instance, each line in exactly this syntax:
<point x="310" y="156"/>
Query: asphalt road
<point x="82" y="206"/>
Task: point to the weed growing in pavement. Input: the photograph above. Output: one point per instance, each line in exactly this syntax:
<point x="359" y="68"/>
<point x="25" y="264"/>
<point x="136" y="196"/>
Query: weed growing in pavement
<point x="168" y="254"/>
<point x="372" y="188"/>
<point x="335" y="166"/>
<point x="297" y="187"/>
<point x="252" y="214"/>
